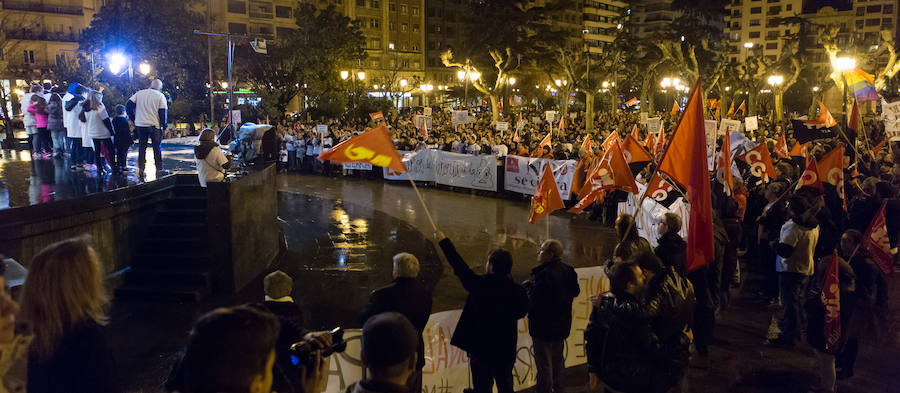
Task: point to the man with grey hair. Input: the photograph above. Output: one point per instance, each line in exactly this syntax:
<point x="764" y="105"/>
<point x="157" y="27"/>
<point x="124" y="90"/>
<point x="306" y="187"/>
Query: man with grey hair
<point x="149" y="110"/>
<point x="552" y="288"/>
<point x="407" y="296"/>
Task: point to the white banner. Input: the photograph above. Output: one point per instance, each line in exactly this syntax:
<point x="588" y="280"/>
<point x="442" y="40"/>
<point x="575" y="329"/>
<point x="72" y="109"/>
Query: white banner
<point x="711" y="143"/>
<point x="463" y="170"/>
<point x="644" y="117"/>
<point x="550" y="116"/>
<point x="651" y="214"/>
<point x="501" y="126"/>
<point x="447" y="367"/>
<point x="654" y="124"/>
<point x="426" y="111"/>
<point x="524" y="173"/>
<point x="459" y="117"/>
<point x="359" y="166"/>
<point x="890" y="112"/>
<point x="751" y="123"/>
<point x="419" y="166"/>
<point x="423" y="120"/>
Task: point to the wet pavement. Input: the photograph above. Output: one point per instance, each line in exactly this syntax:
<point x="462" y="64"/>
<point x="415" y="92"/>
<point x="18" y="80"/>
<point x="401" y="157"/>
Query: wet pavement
<point x="25" y="181"/>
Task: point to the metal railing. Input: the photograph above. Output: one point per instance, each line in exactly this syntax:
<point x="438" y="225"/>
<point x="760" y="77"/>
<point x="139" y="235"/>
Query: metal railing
<point x="32" y="35"/>
<point x="50" y="8"/>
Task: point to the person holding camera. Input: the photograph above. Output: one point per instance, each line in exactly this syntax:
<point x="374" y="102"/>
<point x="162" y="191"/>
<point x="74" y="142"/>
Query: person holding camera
<point x="487" y="328"/>
<point x="409" y="297"/>
<point x="232" y="349"/>
<point x="389" y="355"/>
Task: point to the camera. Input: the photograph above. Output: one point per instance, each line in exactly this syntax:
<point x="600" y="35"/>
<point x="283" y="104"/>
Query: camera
<point x="302" y="351"/>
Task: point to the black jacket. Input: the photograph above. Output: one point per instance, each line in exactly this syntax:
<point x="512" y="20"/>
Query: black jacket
<point x="408" y="297"/>
<point x="551" y="290"/>
<point x="83" y="363"/>
<point x="669" y="307"/>
<point x="122" y="130"/>
<point x="672" y="250"/>
<point x="286" y="375"/>
<point x="620" y="346"/>
<point x="487" y="326"/>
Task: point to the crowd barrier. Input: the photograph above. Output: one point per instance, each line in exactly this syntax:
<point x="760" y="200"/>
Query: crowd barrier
<point x="446" y="367"/>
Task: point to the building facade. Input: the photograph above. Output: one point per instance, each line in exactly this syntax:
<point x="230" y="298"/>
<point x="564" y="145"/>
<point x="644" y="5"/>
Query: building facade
<point x="759" y="26"/>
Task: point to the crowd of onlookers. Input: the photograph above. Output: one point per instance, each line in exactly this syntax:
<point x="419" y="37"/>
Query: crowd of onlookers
<point x="74" y="124"/>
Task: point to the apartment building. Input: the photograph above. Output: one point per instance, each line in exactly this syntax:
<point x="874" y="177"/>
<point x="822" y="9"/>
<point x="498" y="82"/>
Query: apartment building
<point x="759" y="26"/>
<point x="394" y="31"/>
<point x="652" y="18"/>
<point x="601" y="21"/>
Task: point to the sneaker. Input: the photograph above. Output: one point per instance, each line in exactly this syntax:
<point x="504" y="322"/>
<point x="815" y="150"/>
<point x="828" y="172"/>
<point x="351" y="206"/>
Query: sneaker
<point x="47" y="155"/>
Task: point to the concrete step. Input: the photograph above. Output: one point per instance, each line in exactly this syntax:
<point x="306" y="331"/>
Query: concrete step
<point x="161" y="293"/>
<point x="194" y="245"/>
<point x="169" y="260"/>
<point x="187" y="202"/>
<point x="183" y="230"/>
<point x="188" y="190"/>
<point x="167" y="216"/>
<point x="180" y="278"/>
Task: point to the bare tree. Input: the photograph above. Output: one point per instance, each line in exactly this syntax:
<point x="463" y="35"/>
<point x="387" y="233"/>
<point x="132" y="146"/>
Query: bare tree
<point x="504" y="63"/>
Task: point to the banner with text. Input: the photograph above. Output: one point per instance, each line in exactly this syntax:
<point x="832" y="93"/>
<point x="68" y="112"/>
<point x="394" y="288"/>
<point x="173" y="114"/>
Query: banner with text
<point x="419" y="166"/>
<point x="447" y="367"/>
<point x="463" y="170"/>
<point x="524" y="173"/>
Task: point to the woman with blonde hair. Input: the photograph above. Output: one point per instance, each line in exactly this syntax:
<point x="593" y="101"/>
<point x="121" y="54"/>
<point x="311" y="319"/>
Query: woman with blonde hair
<point x="64" y="302"/>
<point x="99" y="130"/>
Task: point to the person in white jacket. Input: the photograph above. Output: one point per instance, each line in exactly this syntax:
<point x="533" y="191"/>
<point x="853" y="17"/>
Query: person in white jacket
<point x="71" y="110"/>
<point x="98" y="127"/>
<point x="30" y="121"/>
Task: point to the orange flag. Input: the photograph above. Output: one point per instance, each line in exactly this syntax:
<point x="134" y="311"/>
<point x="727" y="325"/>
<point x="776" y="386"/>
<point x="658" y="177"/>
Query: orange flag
<point x="546" y="197"/>
<point x="723" y="169"/>
<point x="831" y="170"/>
<point x="546" y="142"/>
<point x="516" y="136"/>
<point x="878" y="147"/>
<point x="743" y="108"/>
<point x="612" y="138"/>
<point x="634" y="152"/>
<point x="632" y="102"/>
<point x="660" y="143"/>
<point x="781" y="147"/>
<point x="685" y="163"/>
<point x="586" y="143"/>
<point x="675" y="108"/>
<point x="636" y="133"/>
<point x="800" y="150"/>
<point x="373" y="147"/>
<point x="562" y="124"/>
<point x="831" y="297"/>
<point x="824" y="116"/>
<point x="760" y="162"/>
<point x="810" y="176"/>
<point x="648" y="142"/>
<point x="730" y="113"/>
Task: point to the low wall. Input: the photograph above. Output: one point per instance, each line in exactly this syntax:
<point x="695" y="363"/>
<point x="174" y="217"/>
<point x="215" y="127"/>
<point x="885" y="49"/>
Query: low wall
<point x="114" y="219"/>
<point x="243" y="213"/>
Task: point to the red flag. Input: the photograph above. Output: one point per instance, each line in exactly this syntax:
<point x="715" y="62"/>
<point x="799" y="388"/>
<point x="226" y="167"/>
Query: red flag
<point x="635" y="133"/>
<point x="760" y="162"/>
<point x="546" y="142"/>
<point x="831" y="170"/>
<point x="878" y="147"/>
<point x="877" y="243"/>
<point x="648" y="142"/>
<point x="810" y="177"/>
<point x="781" y="147"/>
<point x="685" y="162"/>
<point x="612" y="138"/>
<point x="373" y="146"/>
<point x="612" y="172"/>
<point x="546" y="197"/>
<point x="423" y="130"/>
<point x="854" y="122"/>
<point x="661" y="191"/>
<point x="633" y="151"/>
<point x="376" y="116"/>
<point x="562" y="124"/>
<point x="586" y="143"/>
<point x="632" y="102"/>
<point x="589" y="198"/>
<point x="516" y="136"/>
<point x="660" y="143"/>
<point x="800" y="150"/>
<point x="831" y="297"/>
<point x="723" y="169"/>
<point x="675" y="108"/>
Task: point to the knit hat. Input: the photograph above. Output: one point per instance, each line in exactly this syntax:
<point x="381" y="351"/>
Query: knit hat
<point x="278" y="284"/>
<point x="387" y="340"/>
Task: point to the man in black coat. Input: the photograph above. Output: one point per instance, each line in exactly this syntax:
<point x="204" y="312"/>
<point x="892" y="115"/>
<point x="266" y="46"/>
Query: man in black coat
<point x="278" y="287"/>
<point x="406" y="296"/>
<point x="487" y="328"/>
<point x="551" y="291"/>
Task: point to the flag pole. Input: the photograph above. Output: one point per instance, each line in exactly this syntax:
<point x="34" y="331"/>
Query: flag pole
<point x="421" y="200"/>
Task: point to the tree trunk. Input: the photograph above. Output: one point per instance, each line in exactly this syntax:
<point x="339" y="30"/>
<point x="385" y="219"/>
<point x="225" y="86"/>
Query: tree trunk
<point x="589" y="110"/>
<point x="779" y="104"/>
<point x="564" y="103"/>
<point x="752" y="96"/>
<point x="495" y="107"/>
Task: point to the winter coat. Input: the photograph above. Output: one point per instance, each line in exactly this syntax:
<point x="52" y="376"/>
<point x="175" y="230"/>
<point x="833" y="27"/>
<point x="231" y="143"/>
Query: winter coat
<point x="627" y="249"/>
<point x="551" y="290"/>
<point x="39" y="111"/>
<point x="82" y="363"/>
<point x="408" y="297"/>
<point x="55" y="115"/>
<point x="672" y="250"/>
<point x="487" y="327"/>
<point x="620" y="346"/>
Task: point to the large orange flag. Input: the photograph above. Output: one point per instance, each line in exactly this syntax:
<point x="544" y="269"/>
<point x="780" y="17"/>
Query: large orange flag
<point x="760" y="162"/>
<point x="685" y="162"/>
<point x="800" y="150"/>
<point x="373" y="147"/>
<point x="781" y="147"/>
<point x="831" y="170"/>
<point x="675" y="108"/>
<point x="546" y="142"/>
<point x="723" y="169"/>
<point x="613" y="171"/>
<point x="586" y="144"/>
<point x="634" y="153"/>
<point x="660" y="143"/>
<point x="648" y="142"/>
<point x="546" y="197"/>
<point x="635" y="133"/>
<point x="612" y="138"/>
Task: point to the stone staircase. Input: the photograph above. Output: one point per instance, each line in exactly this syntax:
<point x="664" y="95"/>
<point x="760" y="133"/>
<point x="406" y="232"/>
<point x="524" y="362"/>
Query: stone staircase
<point x="172" y="262"/>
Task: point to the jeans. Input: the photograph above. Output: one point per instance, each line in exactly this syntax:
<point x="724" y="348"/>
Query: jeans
<point x="155" y="136"/>
<point x="548" y="356"/>
<point x="486" y="372"/>
<point x="75" y="151"/>
<point x="45" y="140"/>
<point x="103" y="148"/>
<point x="59" y="140"/>
<point x="791" y="285"/>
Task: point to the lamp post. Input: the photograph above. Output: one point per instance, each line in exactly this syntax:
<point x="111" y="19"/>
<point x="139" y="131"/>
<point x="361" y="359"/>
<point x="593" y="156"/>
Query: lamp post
<point x="775" y="81"/>
<point x="842" y="65"/>
<point x="511" y="81"/>
<point x="425" y="89"/>
<point x="354" y="76"/>
<point x="465" y="76"/>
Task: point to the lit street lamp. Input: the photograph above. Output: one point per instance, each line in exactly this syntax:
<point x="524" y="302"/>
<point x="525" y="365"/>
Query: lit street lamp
<point x="144" y="68"/>
<point x="358" y="76"/>
<point x="842" y="65"/>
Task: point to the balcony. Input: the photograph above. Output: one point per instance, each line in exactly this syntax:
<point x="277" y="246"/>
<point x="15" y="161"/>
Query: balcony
<point x="32" y="35"/>
<point x="48" y="8"/>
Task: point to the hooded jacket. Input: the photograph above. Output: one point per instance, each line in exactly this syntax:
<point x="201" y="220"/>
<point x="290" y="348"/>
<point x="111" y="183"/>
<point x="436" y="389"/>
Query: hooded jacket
<point x="55" y="115"/>
<point x="202" y="150"/>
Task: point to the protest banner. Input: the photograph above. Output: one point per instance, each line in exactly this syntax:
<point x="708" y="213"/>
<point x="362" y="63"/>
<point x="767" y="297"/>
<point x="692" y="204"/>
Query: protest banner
<point x="322" y="128"/>
<point x="550" y="116"/>
<point x="524" y="173"/>
<point x="501" y="126"/>
<point x="644" y="117"/>
<point x="420" y="120"/>
<point x="647" y="221"/>
<point x="463" y="170"/>
<point x="459" y="117"/>
<point x="447" y="367"/>
<point x="419" y="166"/>
<point x="751" y="123"/>
<point x="359" y="166"/>
<point x="890" y="112"/>
<point x="426" y="111"/>
<point x="654" y="124"/>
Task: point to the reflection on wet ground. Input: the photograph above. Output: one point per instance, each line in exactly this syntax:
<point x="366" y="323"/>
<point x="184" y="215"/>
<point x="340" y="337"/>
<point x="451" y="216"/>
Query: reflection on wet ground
<point x="25" y="181"/>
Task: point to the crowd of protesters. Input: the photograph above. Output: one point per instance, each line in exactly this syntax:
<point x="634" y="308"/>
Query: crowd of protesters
<point x="74" y="124"/>
<point x="657" y="316"/>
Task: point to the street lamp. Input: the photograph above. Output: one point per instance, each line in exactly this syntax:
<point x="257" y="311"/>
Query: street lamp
<point x="117" y="61"/>
<point x="775" y="81"/>
<point x="425" y="89"/>
<point x="144" y="68"/>
<point x="512" y="81"/>
<point x="474" y="75"/>
<point x="361" y="75"/>
<point x="558" y="83"/>
<point x="403" y="82"/>
<point x="748" y="45"/>
<point x="842" y="65"/>
<point x="461" y="75"/>
<point x="815" y="89"/>
<point x="224" y="85"/>
<point x="345" y="75"/>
